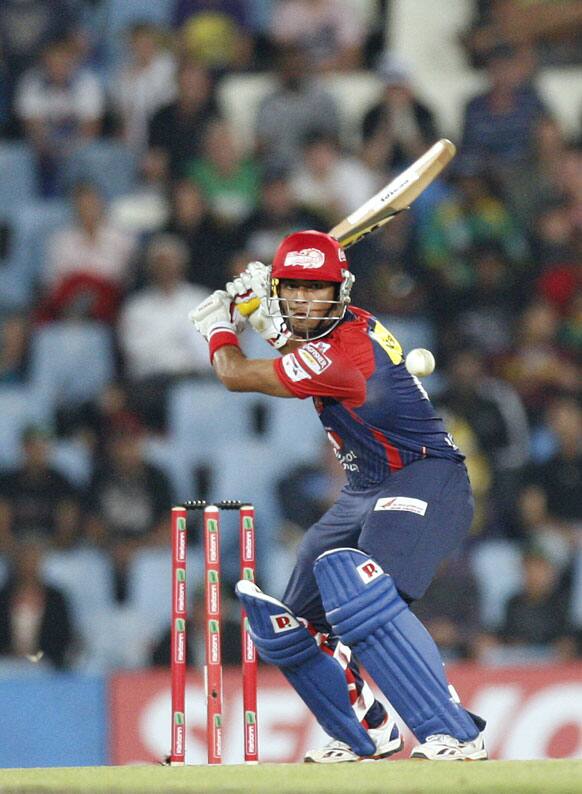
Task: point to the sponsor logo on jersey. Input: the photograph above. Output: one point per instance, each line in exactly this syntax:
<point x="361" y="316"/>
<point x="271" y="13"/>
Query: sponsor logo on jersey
<point x="406" y="503"/>
<point x="369" y="571"/>
<point x="348" y="457"/>
<point x="293" y="368"/>
<point x="335" y="440"/>
<point x="283" y="622"/>
<point x="308" y="258"/>
<point x="313" y="356"/>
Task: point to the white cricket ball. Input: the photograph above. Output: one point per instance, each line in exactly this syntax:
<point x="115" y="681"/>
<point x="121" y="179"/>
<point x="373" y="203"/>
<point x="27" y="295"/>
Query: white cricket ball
<point x="420" y="362"/>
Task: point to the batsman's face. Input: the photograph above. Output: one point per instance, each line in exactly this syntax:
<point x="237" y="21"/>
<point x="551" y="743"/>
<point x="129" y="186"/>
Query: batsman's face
<point x="307" y="303"/>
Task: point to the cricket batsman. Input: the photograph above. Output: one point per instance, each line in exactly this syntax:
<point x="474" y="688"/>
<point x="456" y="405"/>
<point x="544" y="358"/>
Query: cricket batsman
<point x="406" y="505"/>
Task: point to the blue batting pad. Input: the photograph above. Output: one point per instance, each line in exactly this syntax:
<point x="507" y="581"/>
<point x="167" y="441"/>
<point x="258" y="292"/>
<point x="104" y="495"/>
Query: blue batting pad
<point x="367" y="613"/>
<point x="318" y="678"/>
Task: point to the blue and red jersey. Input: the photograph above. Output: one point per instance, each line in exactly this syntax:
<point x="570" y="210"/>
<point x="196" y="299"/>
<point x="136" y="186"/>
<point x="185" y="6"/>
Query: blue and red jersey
<point x="376" y="414"/>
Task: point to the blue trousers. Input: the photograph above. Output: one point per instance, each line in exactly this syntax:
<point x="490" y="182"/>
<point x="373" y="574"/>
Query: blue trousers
<point x="409" y="524"/>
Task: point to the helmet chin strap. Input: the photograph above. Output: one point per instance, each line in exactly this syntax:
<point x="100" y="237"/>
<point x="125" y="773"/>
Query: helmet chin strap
<point x="307" y="336"/>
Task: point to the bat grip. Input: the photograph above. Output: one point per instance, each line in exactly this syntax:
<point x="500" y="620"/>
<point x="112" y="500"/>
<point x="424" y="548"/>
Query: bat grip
<point x="246" y="308"/>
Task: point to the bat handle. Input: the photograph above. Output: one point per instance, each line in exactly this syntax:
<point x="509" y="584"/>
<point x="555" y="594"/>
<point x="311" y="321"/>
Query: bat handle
<point x="246" y="308"/>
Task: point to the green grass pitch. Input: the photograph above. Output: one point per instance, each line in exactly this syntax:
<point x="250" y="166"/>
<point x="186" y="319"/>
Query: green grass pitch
<point x="400" y="777"/>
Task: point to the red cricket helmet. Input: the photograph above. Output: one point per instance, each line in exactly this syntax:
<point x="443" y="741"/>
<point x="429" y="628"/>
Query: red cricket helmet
<point x="310" y="255"/>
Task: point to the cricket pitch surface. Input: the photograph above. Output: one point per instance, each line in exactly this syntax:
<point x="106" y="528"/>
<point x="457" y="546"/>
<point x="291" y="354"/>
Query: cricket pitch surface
<point x="400" y="777"/>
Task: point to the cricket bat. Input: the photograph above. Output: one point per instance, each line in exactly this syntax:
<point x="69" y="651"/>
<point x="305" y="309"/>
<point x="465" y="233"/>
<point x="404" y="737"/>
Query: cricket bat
<point x="395" y="197"/>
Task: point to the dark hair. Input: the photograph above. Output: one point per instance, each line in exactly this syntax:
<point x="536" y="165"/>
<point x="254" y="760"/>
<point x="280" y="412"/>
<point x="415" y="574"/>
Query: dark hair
<point x="141" y="26"/>
<point x="313" y="137"/>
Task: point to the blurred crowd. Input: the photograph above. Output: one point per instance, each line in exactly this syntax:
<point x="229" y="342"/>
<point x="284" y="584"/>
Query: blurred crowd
<point x="129" y="194"/>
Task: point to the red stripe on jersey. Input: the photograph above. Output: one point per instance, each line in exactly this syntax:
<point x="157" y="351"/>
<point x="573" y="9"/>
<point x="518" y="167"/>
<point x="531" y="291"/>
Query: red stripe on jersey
<point x="392" y="454"/>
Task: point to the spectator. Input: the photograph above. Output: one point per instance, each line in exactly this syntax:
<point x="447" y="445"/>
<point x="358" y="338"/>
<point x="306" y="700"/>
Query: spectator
<point x="536" y="620"/>
<point x="61" y="107"/>
<point x="493" y="410"/>
<point x="26" y="28"/>
<point x="500" y="124"/>
<point x="36" y="499"/>
<point x="210" y="245"/>
<point x="399" y="128"/>
<point x="389" y="289"/>
<point x="127" y="503"/>
<point x="144" y="84"/>
<point x="536" y="527"/>
<point x="35" y="618"/>
<point x="14" y="332"/>
<point x="536" y="366"/>
<point x="450" y="609"/>
<point x="277" y="215"/>
<point x="477" y="466"/>
<point x="532" y="189"/>
<point x="329" y="182"/>
<point x="473" y="216"/>
<point x="560" y="477"/>
<point x="487" y="311"/>
<point x="228" y="179"/>
<point x="217" y="33"/>
<point x="91" y="423"/>
<point x="555" y="29"/>
<point x="570" y="333"/>
<point x="554" y="235"/>
<point x="298" y="105"/>
<point x="329" y="32"/>
<point x="146" y="208"/>
<point x="88" y="263"/>
<point x="178" y="128"/>
<point x="157" y="344"/>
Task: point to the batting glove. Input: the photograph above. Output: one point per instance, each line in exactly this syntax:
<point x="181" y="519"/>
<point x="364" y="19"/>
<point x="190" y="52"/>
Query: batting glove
<point x="250" y="294"/>
<point x="214" y="319"/>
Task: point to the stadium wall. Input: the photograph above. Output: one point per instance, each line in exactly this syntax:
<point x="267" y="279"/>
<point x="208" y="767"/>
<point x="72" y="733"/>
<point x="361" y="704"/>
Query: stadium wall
<point x="534" y="712"/>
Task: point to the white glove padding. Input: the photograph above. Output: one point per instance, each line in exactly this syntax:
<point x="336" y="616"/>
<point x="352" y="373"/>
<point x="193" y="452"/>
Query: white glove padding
<point x="250" y="287"/>
<point x="249" y="292"/>
<point x="213" y="314"/>
<point x="268" y="323"/>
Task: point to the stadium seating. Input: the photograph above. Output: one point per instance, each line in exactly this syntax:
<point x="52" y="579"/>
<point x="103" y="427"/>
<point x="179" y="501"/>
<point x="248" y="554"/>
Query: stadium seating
<point x="72" y="459"/>
<point x="496" y="565"/>
<point x="196" y="409"/>
<point x="20" y="406"/>
<point x="71" y="362"/>
<point x="84" y="575"/>
<point x="118" y="16"/>
<point x="110" y="165"/>
<point x="17" y="174"/>
<point x="576" y="597"/>
<point x="30" y="224"/>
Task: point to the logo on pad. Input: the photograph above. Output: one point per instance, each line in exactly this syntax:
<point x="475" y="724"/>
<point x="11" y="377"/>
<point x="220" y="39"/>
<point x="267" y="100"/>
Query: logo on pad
<point x="283" y="622"/>
<point x="369" y="571"/>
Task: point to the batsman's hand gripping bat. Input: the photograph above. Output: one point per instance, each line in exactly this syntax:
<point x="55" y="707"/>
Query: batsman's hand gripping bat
<point x="395" y="197"/>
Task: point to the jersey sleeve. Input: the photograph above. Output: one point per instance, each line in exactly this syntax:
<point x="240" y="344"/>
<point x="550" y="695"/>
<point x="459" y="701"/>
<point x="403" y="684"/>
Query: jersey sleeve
<point x="317" y="369"/>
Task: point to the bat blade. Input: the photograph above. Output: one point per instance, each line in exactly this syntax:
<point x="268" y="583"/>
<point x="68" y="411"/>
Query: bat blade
<point x="396" y="196"/>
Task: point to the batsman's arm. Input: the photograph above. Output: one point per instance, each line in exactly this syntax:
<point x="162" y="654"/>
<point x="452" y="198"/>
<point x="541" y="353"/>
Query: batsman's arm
<point x="239" y="373"/>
